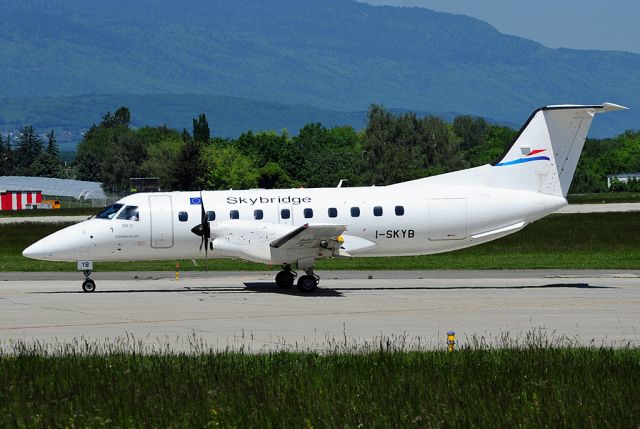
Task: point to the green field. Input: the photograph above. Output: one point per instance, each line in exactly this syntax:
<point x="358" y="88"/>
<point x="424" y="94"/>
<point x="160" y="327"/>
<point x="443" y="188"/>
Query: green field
<point x="577" y="241"/>
<point x="527" y="387"/>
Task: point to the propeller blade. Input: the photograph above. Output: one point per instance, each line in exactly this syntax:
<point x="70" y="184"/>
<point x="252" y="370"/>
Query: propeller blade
<point x="206" y="233"/>
<point x="206" y="229"/>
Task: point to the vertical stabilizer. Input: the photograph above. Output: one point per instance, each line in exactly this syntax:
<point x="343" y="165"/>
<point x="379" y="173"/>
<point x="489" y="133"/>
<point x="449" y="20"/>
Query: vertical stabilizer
<point x="545" y="153"/>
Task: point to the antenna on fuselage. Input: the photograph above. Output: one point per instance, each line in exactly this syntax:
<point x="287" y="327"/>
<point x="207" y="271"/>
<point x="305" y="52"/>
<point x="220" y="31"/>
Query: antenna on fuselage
<point x="341" y="182"/>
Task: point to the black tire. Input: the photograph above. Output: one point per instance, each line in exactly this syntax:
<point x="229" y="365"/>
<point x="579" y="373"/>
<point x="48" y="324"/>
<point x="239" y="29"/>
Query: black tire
<point x="88" y="285"/>
<point x="307" y="284"/>
<point x="284" y="279"/>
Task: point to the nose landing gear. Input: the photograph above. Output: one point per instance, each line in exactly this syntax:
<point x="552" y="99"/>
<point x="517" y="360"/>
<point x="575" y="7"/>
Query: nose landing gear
<point x="88" y="285"/>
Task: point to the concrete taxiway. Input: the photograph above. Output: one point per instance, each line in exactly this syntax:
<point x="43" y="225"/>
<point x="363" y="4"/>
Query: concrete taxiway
<point x="414" y="308"/>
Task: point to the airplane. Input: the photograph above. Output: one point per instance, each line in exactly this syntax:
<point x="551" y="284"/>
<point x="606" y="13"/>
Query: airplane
<point x="296" y="227"/>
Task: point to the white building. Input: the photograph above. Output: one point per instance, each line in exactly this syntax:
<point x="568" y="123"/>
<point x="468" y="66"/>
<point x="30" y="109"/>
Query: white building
<point x="622" y="177"/>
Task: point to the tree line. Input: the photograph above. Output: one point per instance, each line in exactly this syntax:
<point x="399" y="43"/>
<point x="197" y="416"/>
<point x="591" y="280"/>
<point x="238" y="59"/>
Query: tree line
<point x="392" y="148"/>
<point x="31" y="156"/>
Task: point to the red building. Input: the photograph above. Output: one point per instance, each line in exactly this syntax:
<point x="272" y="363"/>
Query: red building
<point x="18" y="200"/>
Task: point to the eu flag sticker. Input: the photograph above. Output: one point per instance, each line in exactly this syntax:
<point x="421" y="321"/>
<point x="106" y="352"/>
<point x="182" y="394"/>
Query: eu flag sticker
<point x="195" y="201"/>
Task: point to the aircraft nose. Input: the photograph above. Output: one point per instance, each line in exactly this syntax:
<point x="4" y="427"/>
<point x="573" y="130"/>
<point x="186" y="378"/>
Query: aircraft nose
<point x="62" y="245"/>
<point x="35" y="251"/>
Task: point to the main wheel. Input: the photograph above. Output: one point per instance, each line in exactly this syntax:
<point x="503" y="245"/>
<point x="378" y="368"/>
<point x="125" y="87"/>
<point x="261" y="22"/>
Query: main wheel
<point x="88" y="285"/>
<point x="307" y="284"/>
<point x="284" y="279"/>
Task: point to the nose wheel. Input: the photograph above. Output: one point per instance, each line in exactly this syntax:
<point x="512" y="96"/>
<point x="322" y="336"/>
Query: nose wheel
<point x="88" y="285"/>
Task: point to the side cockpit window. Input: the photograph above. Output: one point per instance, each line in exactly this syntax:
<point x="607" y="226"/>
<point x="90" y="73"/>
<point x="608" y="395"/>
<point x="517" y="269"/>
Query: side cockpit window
<point x="109" y="212"/>
<point x="130" y="213"/>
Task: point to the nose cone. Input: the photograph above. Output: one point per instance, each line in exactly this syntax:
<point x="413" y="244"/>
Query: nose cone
<point x="35" y="251"/>
<point x="63" y="245"/>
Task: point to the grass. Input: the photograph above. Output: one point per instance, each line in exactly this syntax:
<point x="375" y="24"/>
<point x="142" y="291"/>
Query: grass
<point x="576" y="241"/>
<point x="531" y="386"/>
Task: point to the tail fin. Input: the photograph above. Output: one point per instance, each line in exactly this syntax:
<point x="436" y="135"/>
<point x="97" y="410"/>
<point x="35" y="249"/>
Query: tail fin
<point x="545" y="153"/>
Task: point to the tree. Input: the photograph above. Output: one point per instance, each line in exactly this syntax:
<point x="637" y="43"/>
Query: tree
<point x="188" y="166"/>
<point x="201" y="132"/>
<point x="120" y="118"/>
<point x="161" y="161"/>
<point x="30" y="148"/>
<point x="49" y="163"/>
<point x="88" y="167"/>
<point x="324" y="156"/>
<point x="272" y="176"/>
<point x="6" y="157"/>
<point x="224" y="167"/>
<point x="52" y="146"/>
<point x="405" y="147"/>
<point x="471" y="130"/>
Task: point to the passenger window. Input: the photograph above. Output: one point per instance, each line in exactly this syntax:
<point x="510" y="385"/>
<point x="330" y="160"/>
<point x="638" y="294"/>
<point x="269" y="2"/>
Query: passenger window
<point x="129" y="213"/>
<point x="308" y="213"/>
<point x="355" y="211"/>
<point x="399" y="211"/>
<point x="234" y="214"/>
<point x="257" y="214"/>
<point x="109" y="212"/>
<point x="377" y="211"/>
<point x="285" y="213"/>
<point x="183" y="216"/>
<point x="211" y="216"/>
<point x="333" y="212"/>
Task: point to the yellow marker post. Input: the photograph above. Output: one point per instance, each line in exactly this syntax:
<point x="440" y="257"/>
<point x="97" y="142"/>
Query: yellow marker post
<point x="451" y="340"/>
<point x="177" y="268"/>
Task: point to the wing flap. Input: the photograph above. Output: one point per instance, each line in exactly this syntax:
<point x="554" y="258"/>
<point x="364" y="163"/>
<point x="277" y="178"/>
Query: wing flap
<point x="309" y="237"/>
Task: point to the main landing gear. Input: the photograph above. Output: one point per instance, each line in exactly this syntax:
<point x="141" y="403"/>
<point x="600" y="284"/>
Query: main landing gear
<point x="306" y="283"/>
<point x="88" y="285"/>
<point x="286" y="277"/>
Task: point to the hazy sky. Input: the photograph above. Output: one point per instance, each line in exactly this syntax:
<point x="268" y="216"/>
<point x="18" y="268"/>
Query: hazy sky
<point x="580" y="24"/>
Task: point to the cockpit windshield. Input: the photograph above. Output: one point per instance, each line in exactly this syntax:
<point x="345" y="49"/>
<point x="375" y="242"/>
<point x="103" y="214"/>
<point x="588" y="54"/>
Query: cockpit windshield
<point x="109" y="212"/>
<point x="129" y="213"/>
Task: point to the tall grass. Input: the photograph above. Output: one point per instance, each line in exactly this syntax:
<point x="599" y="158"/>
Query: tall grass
<point x="528" y="385"/>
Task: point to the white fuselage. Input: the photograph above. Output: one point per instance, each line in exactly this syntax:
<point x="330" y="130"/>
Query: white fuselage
<point x="402" y="219"/>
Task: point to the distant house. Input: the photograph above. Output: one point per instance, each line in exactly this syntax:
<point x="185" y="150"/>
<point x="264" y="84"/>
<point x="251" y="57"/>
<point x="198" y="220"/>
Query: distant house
<point x="622" y="178"/>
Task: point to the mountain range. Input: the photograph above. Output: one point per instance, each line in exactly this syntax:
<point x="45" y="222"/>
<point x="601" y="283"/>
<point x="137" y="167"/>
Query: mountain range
<point x="327" y="55"/>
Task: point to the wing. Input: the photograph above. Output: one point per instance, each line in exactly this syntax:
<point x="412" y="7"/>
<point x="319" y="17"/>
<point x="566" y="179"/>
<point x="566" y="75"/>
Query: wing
<point x="310" y="237"/>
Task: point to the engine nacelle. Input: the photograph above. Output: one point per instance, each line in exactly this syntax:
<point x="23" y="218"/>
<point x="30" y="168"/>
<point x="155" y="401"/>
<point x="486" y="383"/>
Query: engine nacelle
<point x="248" y="240"/>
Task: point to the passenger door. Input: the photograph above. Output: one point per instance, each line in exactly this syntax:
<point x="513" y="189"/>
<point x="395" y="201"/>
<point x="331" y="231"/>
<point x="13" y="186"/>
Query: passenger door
<point x="161" y="216"/>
